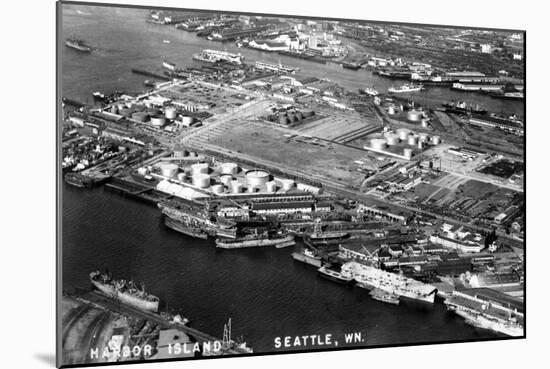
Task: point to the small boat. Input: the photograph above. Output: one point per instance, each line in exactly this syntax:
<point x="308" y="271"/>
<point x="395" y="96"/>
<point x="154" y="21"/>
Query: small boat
<point x="166" y="41"/>
<point x="383" y="296"/>
<point x="406" y="88"/>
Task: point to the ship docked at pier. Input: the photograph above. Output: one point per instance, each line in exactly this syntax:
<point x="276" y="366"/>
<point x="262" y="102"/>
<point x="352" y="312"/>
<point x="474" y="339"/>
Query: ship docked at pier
<point x="320" y="237"/>
<point x="370" y="278"/>
<point x="278" y="68"/>
<point x="216" y="56"/>
<point x="256" y="240"/>
<point x="406" y="88"/>
<point x="124" y="291"/>
<point x="308" y="256"/>
<point x="194" y="221"/>
<point x="78" y="44"/>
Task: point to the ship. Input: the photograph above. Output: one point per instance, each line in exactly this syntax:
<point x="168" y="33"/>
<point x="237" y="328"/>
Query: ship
<point x="98" y="95"/>
<point x="383" y="296"/>
<point x="215" y="56"/>
<point x="370" y="278"/>
<point x="78" y="180"/>
<point x="405" y="88"/>
<point x="334" y="273"/>
<point x="481" y="310"/>
<point x="368" y="91"/>
<point x="261" y="65"/>
<point x="256" y="240"/>
<point x="307" y="256"/>
<point x="461" y="108"/>
<point x="350" y="65"/>
<point x="124" y="291"/>
<point x="319" y="237"/>
<point x="77" y="44"/>
<point x="168" y="65"/>
<point x="195" y="222"/>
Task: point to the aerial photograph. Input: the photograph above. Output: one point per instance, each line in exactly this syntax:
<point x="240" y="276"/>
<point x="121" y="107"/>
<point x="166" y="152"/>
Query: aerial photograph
<point x="239" y="184"/>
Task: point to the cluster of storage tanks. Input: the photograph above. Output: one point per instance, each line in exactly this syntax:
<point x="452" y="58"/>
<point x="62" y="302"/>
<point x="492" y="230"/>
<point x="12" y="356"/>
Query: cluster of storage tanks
<point x="403" y="136"/>
<point x="147" y="113"/>
<point x="227" y="178"/>
<point x="291" y="116"/>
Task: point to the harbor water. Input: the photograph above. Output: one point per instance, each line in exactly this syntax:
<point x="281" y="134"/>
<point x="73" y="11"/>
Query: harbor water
<point x="265" y="292"/>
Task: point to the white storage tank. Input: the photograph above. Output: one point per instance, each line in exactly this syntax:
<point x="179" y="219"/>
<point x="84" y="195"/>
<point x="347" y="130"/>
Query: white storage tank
<point x="170" y="113"/>
<point x="378" y="143"/>
<point x="181" y="177"/>
<point x="392" y="139"/>
<point x="412" y="140"/>
<point x="407" y="153"/>
<point x="414" y="115"/>
<point x="287" y="184"/>
<point x="424" y="123"/>
<point x="167" y="169"/>
<point x="391" y="110"/>
<point x="236" y="187"/>
<point x="403" y="133"/>
<point x="256" y="178"/>
<point x="201" y="180"/>
<point x="271" y="186"/>
<point x="226" y="179"/>
<point x="199" y="168"/>
<point x="217" y="189"/>
<point x="157" y="121"/>
<point x="230" y="168"/>
<point x="436" y="140"/>
<point x="424" y="137"/>
<point x="187" y="121"/>
<point x="142" y="171"/>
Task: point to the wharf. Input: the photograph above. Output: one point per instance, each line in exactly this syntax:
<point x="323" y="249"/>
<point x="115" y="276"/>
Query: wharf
<point x="97" y="299"/>
<point x="137" y="191"/>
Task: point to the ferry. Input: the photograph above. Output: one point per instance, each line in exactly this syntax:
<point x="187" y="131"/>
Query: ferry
<point x="334" y="272"/>
<point x="406" y="88"/>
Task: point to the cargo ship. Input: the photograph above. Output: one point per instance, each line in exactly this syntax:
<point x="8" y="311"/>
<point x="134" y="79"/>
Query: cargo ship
<point x="195" y="222"/>
<point x="461" y="108"/>
<point x="77" y="44"/>
<point x="308" y="256"/>
<point x="256" y="240"/>
<point x="168" y="65"/>
<point x="215" y="56"/>
<point x="352" y="66"/>
<point x="368" y="91"/>
<point x="124" y="291"/>
<point x="275" y="67"/>
<point x="370" y="278"/>
<point x="335" y="273"/>
<point x="482" y="311"/>
<point x="319" y="237"/>
<point x="383" y="296"/>
<point x="405" y="88"/>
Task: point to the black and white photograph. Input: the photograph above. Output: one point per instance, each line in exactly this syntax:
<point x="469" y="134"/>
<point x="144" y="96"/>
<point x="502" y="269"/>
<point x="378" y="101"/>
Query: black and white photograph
<point x="279" y="184"/>
<point x="239" y="184"/>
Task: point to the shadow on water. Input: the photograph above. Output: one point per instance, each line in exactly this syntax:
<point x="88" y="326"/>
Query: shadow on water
<point x="46" y="358"/>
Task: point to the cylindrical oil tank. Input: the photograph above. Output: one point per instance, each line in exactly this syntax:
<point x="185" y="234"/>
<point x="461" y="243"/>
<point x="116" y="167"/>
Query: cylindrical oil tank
<point x="391" y="110"/>
<point x="199" y="168"/>
<point x="407" y="153"/>
<point x="420" y="145"/>
<point x="378" y="143"/>
<point x="181" y="177"/>
<point x="412" y="140"/>
<point x="236" y="187"/>
<point x="299" y="116"/>
<point x="168" y="169"/>
<point x="217" y="189"/>
<point x="170" y="112"/>
<point x="414" y="115"/>
<point x="392" y="139"/>
<point x="142" y="171"/>
<point x="386" y="129"/>
<point x="424" y="123"/>
<point x="226" y="179"/>
<point x="256" y="178"/>
<point x="140" y="116"/>
<point x="307" y="113"/>
<point x="186" y="120"/>
<point x="271" y="186"/>
<point x="436" y="140"/>
<point x="201" y="180"/>
<point x="157" y="120"/>
<point x="403" y="133"/>
<point x="287" y="184"/>
<point x="283" y="120"/>
<point x="229" y="168"/>
<point x="422" y="136"/>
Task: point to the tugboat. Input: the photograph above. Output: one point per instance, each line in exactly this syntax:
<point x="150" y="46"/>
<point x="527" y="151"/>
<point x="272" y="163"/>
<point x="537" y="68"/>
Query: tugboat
<point x="77" y="44"/>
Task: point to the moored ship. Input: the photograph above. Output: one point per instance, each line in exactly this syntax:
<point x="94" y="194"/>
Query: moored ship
<point x="77" y="44"/>
<point x="168" y="65"/>
<point x="307" y="256"/>
<point x="462" y="108"/>
<point x="368" y="91"/>
<point x="124" y="291"/>
<point x="383" y="296"/>
<point x="319" y="237"/>
<point x="405" y="88"/>
<point x="275" y="67"/>
<point x="370" y="278"/>
<point x="215" y="56"/>
<point x="488" y="309"/>
<point x="256" y="240"/>
<point x="334" y="272"/>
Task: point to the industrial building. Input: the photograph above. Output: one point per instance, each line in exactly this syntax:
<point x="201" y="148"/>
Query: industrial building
<point x="457" y="238"/>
